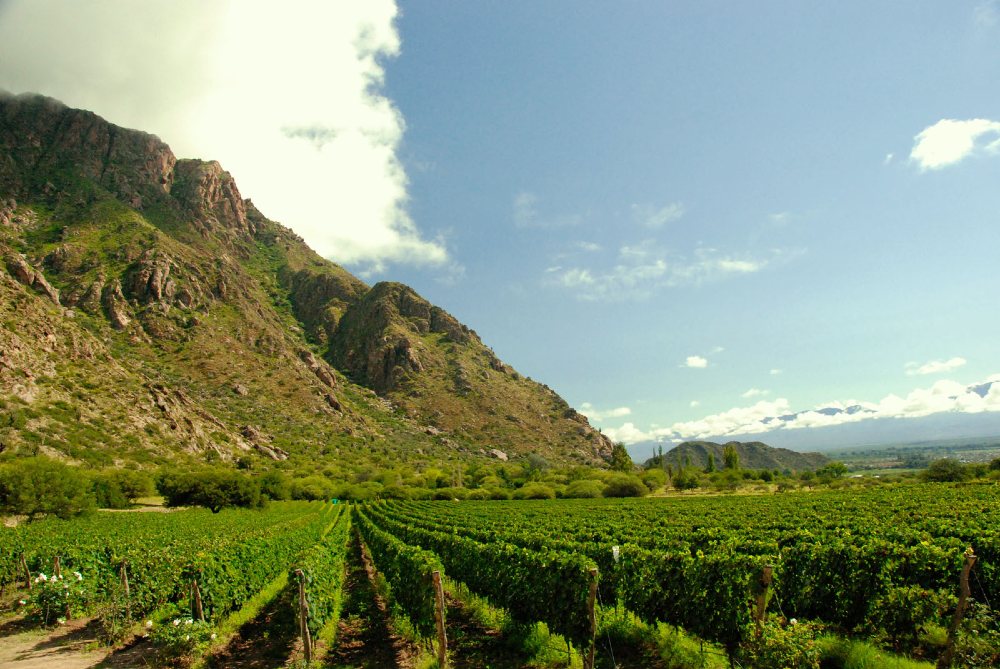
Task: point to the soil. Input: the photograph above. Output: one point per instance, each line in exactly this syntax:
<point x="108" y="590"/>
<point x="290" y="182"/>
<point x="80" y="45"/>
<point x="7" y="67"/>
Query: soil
<point x="364" y="638"/>
<point x="265" y="642"/>
<point x="70" y="646"/>
<point x="473" y="646"/>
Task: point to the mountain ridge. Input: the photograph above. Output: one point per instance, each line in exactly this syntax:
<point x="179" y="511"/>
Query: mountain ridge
<point x="211" y="331"/>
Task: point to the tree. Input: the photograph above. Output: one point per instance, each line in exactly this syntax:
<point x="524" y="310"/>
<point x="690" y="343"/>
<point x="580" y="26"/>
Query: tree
<point x="621" y="461"/>
<point x="944" y="470"/>
<point x="214" y="489"/>
<point x="711" y="463"/>
<point x="730" y="457"/>
<point x="41" y="486"/>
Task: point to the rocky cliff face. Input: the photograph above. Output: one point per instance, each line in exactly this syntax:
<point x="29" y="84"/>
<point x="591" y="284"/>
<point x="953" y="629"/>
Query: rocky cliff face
<point x="152" y="311"/>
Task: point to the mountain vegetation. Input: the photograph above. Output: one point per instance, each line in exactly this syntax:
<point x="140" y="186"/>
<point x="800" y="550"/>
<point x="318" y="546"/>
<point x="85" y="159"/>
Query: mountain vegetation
<point x="710" y="456"/>
<point x="151" y="315"/>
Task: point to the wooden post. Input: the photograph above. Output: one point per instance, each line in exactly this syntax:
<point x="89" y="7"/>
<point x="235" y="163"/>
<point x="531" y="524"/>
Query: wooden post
<point x="197" y="612"/>
<point x="588" y="661"/>
<point x="963" y="598"/>
<point x="128" y="594"/>
<point x="304" y="616"/>
<point x="439" y="620"/>
<point x="27" y="572"/>
<point x="766" y="578"/>
<point x="56" y="569"/>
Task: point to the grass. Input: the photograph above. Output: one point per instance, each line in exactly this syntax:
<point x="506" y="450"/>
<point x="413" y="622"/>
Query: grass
<point x="840" y="653"/>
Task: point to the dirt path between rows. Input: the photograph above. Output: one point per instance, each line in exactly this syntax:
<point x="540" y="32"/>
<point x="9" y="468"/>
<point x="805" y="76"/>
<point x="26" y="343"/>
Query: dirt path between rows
<point x="70" y="646"/>
<point x="364" y="640"/>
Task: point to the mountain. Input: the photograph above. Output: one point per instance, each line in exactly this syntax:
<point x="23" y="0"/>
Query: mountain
<point x="753" y="455"/>
<point x="150" y="313"/>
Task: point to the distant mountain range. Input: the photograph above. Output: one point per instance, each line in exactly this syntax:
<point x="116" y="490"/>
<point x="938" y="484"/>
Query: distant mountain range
<point x="865" y="428"/>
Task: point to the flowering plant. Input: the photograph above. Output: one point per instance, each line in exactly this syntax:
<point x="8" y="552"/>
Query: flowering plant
<point x="179" y="636"/>
<point x="54" y="598"/>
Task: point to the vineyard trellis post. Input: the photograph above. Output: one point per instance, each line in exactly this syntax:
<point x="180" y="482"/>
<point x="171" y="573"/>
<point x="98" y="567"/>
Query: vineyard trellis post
<point x="963" y="599"/>
<point x="439" y="620"/>
<point x="592" y="614"/>
<point x="304" y="616"/>
<point x="197" y="611"/>
<point x="27" y="572"/>
<point x="128" y="595"/>
<point x="766" y="578"/>
<point x="56" y="567"/>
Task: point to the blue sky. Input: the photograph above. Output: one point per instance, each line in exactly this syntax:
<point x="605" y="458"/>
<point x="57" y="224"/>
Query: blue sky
<point x="680" y="216"/>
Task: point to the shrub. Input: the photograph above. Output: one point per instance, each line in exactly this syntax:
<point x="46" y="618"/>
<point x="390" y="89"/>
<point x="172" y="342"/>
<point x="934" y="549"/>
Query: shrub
<point x="625" y="485"/>
<point x="120" y="488"/>
<point x="585" y="488"/>
<point x="945" y="470"/>
<point x="36" y="486"/>
<point x="535" y="491"/>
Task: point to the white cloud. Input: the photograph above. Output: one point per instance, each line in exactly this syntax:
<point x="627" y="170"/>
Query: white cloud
<point x="588" y="410"/>
<point x="949" y="141"/>
<point x="764" y="416"/>
<point x="888" y="158"/>
<point x="696" y="362"/>
<point x="628" y="434"/>
<point x="986" y="15"/>
<point x="934" y="366"/>
<point x="776" y="372"/>
<point x="755" y="392"/>
<point x="694" y="404"/>
<point x="525" y="213"/>
<point x="289" y="98"/>
<point x="642" y="269"/>
<point x="657" y="217"/>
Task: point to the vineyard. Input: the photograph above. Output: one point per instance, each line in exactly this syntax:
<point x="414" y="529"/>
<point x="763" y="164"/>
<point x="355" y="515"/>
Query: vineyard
<point x="890" y="565"/>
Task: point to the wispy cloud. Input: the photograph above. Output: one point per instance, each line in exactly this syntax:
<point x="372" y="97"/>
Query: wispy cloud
<point x="986" y="15"/>
<point x="657" y="217"/>
<point x="594" y="414"/>
<point x="755" y="392"/>
<point x="695" y="362"/>
<point x="950" y="141"/>
<point x="767" y="416"/>
<point x="642" y="269"/>
<point x="526" y="214"/>
<point x="934" y="366"/>
<point x="776" y="372"/>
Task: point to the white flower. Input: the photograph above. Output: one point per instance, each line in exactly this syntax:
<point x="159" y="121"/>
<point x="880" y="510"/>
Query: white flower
<point x="61" y="621"/>
<point x="189" y="621"/>
<point x="187" y="637"/>
<point x="177" y="621"/>
<point x="149" y="624"/>
<point x="793" y="621"/>
<point x="213" y="636"/>
<point x="41" y="578"/>
<point x="23" y="602"/>
<point x="78" y="575"/>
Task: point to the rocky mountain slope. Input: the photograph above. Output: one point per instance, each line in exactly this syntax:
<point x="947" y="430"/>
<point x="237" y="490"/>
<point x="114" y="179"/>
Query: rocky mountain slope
<point x="753" y="455"/>
<point x="148" y="312"/>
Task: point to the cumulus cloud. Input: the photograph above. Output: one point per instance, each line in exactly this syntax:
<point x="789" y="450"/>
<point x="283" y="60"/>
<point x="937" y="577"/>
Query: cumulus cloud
<point x="289" y="98"/>
<point x="657" y="217"/>
<point x="696" y="362"/>
<point x="934" y="366"/>
<point x="949" y="141"/>
<point x="591" y="412"/>
<point x="766" y="416"/>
